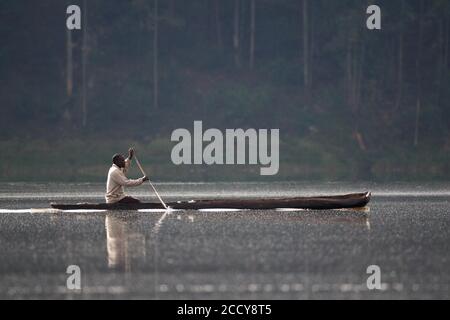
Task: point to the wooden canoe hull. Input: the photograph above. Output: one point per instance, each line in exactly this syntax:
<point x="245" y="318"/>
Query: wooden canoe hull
<point x="354" y="200"/>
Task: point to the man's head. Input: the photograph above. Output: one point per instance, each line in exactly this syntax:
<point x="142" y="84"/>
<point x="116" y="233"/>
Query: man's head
<point x="119" y="160"/>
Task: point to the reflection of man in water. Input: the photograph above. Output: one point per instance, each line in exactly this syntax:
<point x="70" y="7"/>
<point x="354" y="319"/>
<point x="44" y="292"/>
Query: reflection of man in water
<point x="125" y="244"/>
<point x="117" y="180"/>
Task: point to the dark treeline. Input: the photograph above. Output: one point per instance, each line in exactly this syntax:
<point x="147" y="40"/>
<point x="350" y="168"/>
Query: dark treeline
<point x="142" y="68"/>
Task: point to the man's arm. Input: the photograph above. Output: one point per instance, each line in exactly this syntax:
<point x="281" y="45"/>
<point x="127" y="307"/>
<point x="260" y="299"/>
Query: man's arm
<point x="120" y="179"/>
<point x="128" y="163"/>
<point x="128" y="160"/>
<point x="130" y="153"/>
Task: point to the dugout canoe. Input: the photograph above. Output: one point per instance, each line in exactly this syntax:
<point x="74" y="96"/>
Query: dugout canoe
<point x="354" y="200"/>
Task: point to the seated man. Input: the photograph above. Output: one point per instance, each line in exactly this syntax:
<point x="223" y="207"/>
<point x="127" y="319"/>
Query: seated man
<point x="117" y="180"/>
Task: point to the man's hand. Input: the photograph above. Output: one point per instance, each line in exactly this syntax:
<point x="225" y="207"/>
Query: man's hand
<point x="145" y="178"/>
<point x="130" y="153"/>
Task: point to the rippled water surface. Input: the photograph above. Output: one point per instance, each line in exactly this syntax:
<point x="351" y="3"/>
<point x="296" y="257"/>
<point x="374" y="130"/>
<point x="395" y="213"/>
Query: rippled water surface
<point x="292" y="254"/>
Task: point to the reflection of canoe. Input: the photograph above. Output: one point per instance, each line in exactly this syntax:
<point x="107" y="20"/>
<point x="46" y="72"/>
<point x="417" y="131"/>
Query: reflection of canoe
<point x="355" y="200"/>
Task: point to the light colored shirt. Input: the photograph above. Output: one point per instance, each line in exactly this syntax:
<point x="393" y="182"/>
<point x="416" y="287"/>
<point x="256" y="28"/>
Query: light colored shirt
<point x="117" y="181"/>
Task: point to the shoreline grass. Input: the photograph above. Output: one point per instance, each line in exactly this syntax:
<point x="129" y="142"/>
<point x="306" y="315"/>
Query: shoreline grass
<point x="88" y="160"/>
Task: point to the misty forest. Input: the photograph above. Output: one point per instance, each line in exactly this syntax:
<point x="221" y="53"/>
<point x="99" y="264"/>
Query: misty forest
<point x="350" y="103"/>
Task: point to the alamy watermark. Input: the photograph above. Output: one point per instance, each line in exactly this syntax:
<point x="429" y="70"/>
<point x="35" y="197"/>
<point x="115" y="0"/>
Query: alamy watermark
<point x="73" y="21"/>
<point x="73" y="281"/>
<point x="374" y="280"/>
<point x="227" y="148"/>
<point x="374" y="20"/>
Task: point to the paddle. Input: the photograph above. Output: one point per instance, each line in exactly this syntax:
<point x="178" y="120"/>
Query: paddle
<point x="154" y="189"/>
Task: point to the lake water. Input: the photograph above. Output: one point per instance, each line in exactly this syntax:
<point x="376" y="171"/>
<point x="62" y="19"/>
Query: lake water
<point x="236" y="254"/>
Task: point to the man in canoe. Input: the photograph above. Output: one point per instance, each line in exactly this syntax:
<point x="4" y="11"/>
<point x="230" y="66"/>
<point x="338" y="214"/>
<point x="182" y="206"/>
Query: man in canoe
<point x="117" y="180"/>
